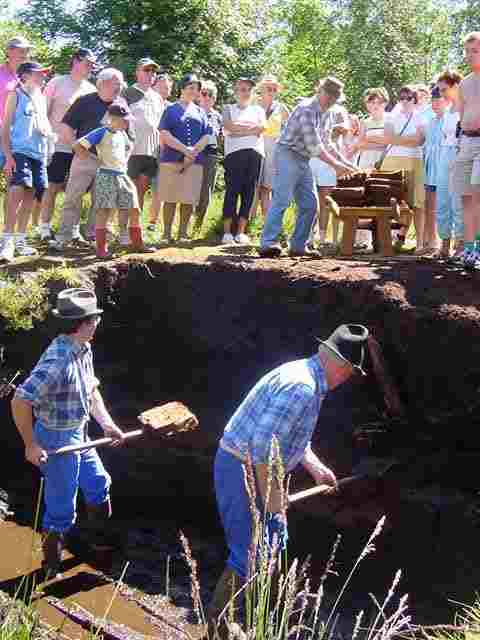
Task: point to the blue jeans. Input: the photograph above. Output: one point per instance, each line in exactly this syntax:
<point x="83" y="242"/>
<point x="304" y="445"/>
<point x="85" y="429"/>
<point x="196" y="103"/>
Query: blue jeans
<point x="235" y="514"/>
<point x="449" y="204"/>
<point x="65" y="474"/>
<point x="293" y="180"/>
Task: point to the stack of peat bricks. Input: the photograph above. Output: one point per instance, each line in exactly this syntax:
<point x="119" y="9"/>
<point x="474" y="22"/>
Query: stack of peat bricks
<point x="374" y="201"/>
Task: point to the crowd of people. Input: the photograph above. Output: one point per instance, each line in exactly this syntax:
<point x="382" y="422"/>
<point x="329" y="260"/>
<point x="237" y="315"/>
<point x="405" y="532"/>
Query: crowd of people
<point x="118" y="141"/>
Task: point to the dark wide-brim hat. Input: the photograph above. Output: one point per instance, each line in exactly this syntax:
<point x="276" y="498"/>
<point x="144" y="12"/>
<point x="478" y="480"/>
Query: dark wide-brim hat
<point x="75" y="304"/>
<point x="348" y="343"/>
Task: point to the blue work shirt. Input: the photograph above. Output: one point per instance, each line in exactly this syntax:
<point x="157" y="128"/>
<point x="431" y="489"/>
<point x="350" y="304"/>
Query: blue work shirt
<point x="188" y="124"/>
<point x="61" y="385"/>
<point x="285" y="403"/>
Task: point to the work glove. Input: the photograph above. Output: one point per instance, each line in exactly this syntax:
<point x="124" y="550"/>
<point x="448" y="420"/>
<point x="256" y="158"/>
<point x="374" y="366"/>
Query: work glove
<point x="276" y="526"/>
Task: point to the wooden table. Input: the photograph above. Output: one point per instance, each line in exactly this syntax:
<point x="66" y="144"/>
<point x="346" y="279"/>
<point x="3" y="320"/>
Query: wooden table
<point x="381" y="216"/>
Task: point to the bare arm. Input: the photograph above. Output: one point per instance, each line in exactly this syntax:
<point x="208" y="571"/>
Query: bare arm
<point x="319" y="472"/>
<point x="166" y="138"/>
<point x="23" y="417"/>
<point x="66" y="134"/>
<point x="11" y="105"/>
<point x="202" y="143"/>
<point x="103" y="417"/>
<point x="81" y="150"/>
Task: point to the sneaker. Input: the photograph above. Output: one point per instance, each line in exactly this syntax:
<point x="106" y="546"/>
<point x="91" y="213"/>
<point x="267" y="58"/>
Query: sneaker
<point x="228" y="238"/>
<point x="79" y="241"/>
<point x="242" y="238"/>
<point x="304" y="253"/>
<point x="8" y="250"/>
<point x="23" y="249"/>
<point x="58" y="246"/>
<point x="46" y="234"/>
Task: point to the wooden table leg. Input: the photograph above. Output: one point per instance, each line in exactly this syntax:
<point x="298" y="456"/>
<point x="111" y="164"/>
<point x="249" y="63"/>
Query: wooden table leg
<point x="384" y="231"/>
<point x="349" y="223"/>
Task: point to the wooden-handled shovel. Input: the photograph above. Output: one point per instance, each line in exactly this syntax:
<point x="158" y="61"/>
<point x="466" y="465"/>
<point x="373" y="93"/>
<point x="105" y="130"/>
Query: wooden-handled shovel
<point x="166" y="420"/>
<point x="324" y="489"/>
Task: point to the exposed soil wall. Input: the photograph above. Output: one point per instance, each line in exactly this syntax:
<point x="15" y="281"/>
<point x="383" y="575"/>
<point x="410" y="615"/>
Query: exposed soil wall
<point x="204" y="332"/>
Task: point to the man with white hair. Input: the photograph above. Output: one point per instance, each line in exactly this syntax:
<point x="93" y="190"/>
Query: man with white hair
<point x="86" y="114"/>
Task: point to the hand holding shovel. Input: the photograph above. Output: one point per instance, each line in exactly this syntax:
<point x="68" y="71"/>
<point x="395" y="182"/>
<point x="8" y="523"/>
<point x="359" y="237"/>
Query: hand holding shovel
<point x="165" y="420"/>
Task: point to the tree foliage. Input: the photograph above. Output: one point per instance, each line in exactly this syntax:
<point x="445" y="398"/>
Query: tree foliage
<point x="366" y="43"/>
<point x="220" y="39"/>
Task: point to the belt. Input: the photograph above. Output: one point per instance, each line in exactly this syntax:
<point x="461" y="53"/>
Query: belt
<point x="474" y="133"/>
<point x="233" y="452"/>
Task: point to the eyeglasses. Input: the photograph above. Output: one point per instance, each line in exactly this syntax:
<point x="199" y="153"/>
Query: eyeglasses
<point x="406" y="97"/>
<point x="271" y="89"/>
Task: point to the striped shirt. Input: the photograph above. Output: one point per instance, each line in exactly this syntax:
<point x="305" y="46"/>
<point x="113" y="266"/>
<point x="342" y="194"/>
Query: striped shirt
<point x="285" y="403"/>
<point x="61" y="385"/>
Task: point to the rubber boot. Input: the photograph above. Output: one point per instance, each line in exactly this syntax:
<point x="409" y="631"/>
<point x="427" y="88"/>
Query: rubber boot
<point x="101" y="243"/>
<point x="136" y="240"/>
<point x="228" y="584"/>
<point x="98" y="516"/>
<point x="52" y="547"/>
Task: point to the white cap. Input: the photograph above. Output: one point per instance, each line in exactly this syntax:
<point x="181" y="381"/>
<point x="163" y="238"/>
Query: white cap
<point x="109" y="73"/>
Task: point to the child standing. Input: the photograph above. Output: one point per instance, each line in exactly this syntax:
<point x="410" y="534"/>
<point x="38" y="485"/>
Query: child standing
<point x="27" y="137"/>
<point x="466" y="173"/>
<point x="113" y="188"/>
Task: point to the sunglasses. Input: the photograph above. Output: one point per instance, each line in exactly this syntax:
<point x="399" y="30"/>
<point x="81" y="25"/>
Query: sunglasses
<point x="206" y="94"/>
<point x="245" y="89"/>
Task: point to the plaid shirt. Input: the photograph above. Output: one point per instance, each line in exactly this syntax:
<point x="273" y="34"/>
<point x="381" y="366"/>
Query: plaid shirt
<point x="303" y="131"/>
<point x="285" y="403"/>
<point x="61" y="385"/>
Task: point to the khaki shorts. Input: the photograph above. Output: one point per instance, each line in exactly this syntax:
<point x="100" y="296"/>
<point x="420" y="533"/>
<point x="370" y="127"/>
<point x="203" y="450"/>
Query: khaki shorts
<point x="465" y="171"/>
<point x="415" y="177"/>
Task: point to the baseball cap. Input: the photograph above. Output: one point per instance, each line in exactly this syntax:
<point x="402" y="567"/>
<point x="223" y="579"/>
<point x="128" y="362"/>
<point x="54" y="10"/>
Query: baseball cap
<point x="109" y="73"/>
<point x="147" y="62"/>
<point x="19" y="42"/>
<point x="120" y="111"/>
<point x="189" y="78"/>
<point x="85" y="54"/>
<point x="32" y="67"/>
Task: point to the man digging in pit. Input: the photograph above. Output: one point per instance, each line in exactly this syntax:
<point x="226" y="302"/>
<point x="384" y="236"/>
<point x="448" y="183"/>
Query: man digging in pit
<point x="51" y="409"/>
<point x="285" y="404"/>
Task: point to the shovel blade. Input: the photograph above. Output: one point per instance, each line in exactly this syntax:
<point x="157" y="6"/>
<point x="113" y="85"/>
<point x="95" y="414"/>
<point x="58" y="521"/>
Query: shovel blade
<point x="169" y="419"/>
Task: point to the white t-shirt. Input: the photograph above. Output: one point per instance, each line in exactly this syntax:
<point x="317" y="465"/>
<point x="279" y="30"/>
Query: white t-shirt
<point x="61" y="92"/>
<point x="252" y="114"/>
<point x="398" y="121"/>
<point x="449" y="128"/>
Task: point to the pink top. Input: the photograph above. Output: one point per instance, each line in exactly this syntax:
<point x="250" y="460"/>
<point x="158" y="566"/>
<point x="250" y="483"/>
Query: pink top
<point x="8" y="82"/>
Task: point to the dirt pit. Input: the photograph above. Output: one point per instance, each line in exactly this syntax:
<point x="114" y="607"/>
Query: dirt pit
<point x="204" y="330"/>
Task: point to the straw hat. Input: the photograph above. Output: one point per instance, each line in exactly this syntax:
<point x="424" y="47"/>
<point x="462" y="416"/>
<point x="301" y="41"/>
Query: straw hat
<point x="269" y="80"/>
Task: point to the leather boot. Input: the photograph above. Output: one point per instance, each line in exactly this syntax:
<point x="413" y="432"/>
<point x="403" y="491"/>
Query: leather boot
<point x="228" y="584"/>
<point x="52" y="547"/>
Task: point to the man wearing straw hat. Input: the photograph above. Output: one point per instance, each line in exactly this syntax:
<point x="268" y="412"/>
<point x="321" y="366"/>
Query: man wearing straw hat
<point x="52" y="409"/>
<point x="284" y="405"/>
